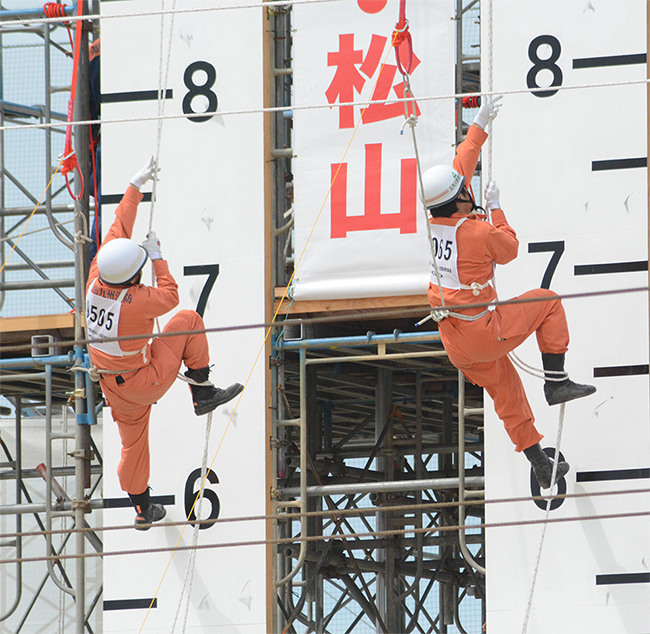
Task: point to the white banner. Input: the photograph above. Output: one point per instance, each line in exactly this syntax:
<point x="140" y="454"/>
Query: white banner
<point x="209" y="217"/>
<point x="571" y="166"/>
<point x="359" y="224"/>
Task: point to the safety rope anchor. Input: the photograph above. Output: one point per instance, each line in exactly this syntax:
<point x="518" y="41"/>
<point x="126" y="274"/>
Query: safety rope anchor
<point x="437" y="315"/>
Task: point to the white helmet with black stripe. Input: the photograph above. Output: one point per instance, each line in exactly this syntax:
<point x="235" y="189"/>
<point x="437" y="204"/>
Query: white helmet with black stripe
<point x="120" y="260"/>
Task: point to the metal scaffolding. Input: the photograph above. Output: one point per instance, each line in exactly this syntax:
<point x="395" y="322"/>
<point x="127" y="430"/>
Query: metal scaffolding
<point x="371" y="470"/>
<point x="377" y="448"/>
<point x="45" y="378"/>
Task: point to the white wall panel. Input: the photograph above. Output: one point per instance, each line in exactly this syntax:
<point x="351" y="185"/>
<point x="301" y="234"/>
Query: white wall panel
<point x="546" y="157"/>
<point x="209" y="210"/>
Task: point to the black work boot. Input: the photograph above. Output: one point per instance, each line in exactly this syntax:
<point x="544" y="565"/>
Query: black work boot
<point x="205" y="395"/>
<point x="543" y="466"/>
<point x="146" y="511"/>
<point x="565" y="389"/>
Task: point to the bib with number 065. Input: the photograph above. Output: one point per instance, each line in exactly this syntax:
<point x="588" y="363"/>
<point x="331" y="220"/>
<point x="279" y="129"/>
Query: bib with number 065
<point x="445" y="248"/>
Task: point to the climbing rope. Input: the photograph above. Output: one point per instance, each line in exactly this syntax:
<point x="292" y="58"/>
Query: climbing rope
<point x="162" y="92"/>
<point x="400" y="36"/>
<point x="545" y="523"/>
<point x="186" y="588"/>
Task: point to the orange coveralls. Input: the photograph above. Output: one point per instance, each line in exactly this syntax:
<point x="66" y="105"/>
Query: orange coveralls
<point x="150" y="373"/>
<point x="480" y="348"/>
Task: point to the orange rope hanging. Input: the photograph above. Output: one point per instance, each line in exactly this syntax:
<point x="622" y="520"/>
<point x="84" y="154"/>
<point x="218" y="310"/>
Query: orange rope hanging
<point x="69" y="159"/>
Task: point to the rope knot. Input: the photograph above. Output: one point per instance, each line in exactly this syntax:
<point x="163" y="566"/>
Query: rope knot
<point x="402" y="35"/>
<point x="476" y="288"/>
<point x="401" y="32"/>
<point x="412" y="120"/>
<point x="439" y="314"/>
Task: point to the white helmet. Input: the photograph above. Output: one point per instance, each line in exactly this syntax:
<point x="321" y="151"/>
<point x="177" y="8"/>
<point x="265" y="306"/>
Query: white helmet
<point x="120" y="260"/>
<point x="442" y="184"/>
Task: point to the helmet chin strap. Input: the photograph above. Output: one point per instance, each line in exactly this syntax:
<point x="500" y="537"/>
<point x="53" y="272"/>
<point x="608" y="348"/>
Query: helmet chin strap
<point x="478" y="211"/>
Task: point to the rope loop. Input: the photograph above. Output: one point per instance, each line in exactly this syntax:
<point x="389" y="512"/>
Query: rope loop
<point x="402" y="35"/>
<point x="80" y="238"/>
<point x="54" y="10"/>
<point x="72" y="165"/>
<point x="476" y="288"/>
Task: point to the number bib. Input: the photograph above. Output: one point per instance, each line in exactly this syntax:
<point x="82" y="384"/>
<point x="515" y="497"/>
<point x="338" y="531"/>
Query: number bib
<point x="102" y="318"/>
<point x="446" y="249"/>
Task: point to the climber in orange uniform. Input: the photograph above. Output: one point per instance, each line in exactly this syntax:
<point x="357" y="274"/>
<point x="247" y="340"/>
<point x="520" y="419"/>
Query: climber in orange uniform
<point x="134" y="373"/>
<point x="467" y="246"/>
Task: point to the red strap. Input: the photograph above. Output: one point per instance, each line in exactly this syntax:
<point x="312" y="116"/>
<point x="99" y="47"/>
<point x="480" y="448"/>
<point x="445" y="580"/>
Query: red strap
<point x="401" y="35"/>
<point x="93" y="149"/>
<point x="472" y="102"/>
<point x="69" y="161"/>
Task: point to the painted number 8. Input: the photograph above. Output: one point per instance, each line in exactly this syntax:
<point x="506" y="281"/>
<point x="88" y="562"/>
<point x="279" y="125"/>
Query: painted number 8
<point x="195" y="90"/>
<point x="544" y="64"/>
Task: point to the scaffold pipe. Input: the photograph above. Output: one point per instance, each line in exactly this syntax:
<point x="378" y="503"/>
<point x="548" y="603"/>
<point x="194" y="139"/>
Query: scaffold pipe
<point x="383" y="487"/>
<point x="29" y="14"/>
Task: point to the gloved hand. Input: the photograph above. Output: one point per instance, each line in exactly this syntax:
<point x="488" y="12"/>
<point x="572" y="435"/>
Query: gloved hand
<point x="145" y="174"/>
<point x="491" y="196"/>
<point x="488" y="111"/>
<point x="152" y="245"/>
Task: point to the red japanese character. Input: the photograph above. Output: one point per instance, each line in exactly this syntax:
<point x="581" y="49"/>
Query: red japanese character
<point x="373" y="219"/>
<point x="347" y="78"/>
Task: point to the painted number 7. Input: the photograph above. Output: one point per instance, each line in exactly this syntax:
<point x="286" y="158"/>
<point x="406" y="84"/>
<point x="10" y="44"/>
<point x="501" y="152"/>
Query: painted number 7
<point x="557" y="248"/>
<point x="212" y="271"/>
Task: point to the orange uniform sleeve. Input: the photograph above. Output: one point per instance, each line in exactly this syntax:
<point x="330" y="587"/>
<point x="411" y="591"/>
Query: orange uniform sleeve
<point x="156" y="301"/>
<point x="502" y="243"/>
<point x="122" y="226"/>
<point x="468" y="152"/>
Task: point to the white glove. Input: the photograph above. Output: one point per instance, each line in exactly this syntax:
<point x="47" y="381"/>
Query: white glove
<point x="145" y="174"/>
<point x="488" y="111"/>
<point x="491" y="195"/>
<point x="152" y="245"/>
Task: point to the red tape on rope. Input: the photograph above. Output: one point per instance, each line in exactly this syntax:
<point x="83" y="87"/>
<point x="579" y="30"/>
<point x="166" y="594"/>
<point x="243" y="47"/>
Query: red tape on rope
<point x="402" y="36"/>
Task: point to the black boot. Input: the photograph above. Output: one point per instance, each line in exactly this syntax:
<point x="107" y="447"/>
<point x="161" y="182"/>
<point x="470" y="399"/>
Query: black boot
<point x="543" y="466"/>
<point x="564" y="390"/>
<point x="206" y="396"/>
<point x="146" y="511"/>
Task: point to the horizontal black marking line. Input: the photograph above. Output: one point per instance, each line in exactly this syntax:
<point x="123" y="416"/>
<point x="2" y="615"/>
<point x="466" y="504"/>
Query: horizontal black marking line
<point x="611" y="267"/>
<point x="115" y="199"/>
<point x="609" y="60"/>
<point x="614" y="474"/>
<point x="130" y="604"/>
<point x="620" y="370"/>
<point x="122" y="503"/>
<point x="134" y="95"/>
<point x="618" y="164"/>
<point x="623" y="577"/>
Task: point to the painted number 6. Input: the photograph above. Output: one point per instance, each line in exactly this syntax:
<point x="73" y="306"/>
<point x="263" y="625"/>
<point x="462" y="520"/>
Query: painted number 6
<point x="209" y="495"/>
